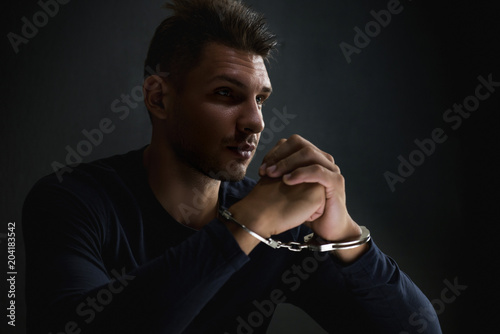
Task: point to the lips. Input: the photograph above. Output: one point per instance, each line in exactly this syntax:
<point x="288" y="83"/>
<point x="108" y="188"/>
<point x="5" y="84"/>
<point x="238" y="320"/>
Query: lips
<point x="243" y="150"/>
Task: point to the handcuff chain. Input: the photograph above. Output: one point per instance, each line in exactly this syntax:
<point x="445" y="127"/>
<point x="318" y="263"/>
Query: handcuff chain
<point x="292" y="246"/>
<point x="321" y="245"/>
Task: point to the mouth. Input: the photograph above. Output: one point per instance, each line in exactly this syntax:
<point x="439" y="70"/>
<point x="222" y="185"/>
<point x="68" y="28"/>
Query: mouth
<point x="243" y="151"/>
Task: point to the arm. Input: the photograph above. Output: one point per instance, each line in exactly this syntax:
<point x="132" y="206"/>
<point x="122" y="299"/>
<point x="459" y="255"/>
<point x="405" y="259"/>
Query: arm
<point x="370" y="295"/>
<point x="71" y="287"/>
<point x="373" y="280"/>
<point x="387" y="294"/>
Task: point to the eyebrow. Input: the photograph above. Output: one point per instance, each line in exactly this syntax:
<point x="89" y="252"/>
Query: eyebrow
<point x="238" y="83"/>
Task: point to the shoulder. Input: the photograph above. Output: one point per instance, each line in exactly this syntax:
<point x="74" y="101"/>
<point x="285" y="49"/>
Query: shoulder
<point x="84" y="185"/>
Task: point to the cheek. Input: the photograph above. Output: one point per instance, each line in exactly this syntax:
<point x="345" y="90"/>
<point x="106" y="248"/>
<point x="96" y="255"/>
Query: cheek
<point x="215" y="122"/>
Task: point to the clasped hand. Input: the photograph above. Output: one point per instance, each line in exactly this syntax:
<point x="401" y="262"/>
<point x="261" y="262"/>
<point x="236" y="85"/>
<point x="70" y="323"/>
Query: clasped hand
<point x="300" y="183"/>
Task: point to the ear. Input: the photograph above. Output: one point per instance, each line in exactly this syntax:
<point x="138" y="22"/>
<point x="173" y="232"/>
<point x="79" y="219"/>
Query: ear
<point x="155" y="90"/>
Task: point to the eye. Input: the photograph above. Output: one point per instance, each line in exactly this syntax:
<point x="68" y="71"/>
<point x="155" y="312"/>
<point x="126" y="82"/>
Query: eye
<point x="224" y="92"/>
<point x="260" y="100"/>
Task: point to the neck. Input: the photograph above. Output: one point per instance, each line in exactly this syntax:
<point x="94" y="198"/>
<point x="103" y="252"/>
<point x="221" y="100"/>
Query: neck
<point x="189" y="196"/>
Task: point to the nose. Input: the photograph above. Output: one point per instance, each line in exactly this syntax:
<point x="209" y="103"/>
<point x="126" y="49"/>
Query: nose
<point x="250" y="118"/>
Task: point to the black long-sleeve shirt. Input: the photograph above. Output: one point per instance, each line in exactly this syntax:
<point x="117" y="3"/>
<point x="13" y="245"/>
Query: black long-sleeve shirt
<point x="103" y="256"/>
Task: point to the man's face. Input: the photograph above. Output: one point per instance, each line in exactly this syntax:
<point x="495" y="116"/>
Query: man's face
<point x="216" y="120"/>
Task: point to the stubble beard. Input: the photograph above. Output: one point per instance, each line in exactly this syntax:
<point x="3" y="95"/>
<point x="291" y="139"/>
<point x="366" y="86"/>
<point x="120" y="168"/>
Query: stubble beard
<point x="208" y="166"/>
<point x="204" y="162"/>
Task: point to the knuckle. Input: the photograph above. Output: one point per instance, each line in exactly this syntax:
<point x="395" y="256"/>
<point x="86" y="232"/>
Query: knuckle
<point x="339" y="179"/>
<point x="271" y="156"/>
<point x="283" y="164"/>
<point x="308" y="153"/>
<point x="281" y="141"/>
<point x="295" y="141"/>
<point x="317" y="169"/>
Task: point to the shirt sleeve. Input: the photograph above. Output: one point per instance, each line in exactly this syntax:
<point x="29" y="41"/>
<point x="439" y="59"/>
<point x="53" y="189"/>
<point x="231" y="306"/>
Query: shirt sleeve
<point x="371" y="295"/>
<point x="70" y="288"/>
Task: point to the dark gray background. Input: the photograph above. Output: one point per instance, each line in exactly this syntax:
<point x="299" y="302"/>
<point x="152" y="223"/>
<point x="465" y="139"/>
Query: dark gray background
<point x="437" y="224"/>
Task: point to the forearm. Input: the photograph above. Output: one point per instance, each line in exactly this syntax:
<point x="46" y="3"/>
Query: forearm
<point x="272" y="208"/>
<point x="245" y="241"/>
<point x="370" y="295"/>
<point x="386" y="293"/>
<point x="246" y="216"/>
<point x="162" y="295"/>
<point x="350" y="255"/>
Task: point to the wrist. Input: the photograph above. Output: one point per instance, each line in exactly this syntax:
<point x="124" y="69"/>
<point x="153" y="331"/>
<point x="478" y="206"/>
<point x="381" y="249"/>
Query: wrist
<point x="348" y="256"/>
<point x="246" y="242"/>
<point x="346" y="232"/>
<point x="350" y="232"/>
<point x="247" y="215"/>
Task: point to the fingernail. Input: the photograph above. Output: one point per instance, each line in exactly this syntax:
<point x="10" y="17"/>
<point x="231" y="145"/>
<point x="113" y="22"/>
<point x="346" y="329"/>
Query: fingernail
<point x="271" y="169"/>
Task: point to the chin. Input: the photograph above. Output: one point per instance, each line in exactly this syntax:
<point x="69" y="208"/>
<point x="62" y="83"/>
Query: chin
<point x="225" y="176"/>
<point x="235" y="174"/>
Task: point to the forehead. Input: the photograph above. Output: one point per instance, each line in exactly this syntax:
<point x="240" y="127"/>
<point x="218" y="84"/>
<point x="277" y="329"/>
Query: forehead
<point x="219" y="60"/>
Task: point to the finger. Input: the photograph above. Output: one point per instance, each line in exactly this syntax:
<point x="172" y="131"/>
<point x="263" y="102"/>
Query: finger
<point x="306" y="156"/>
<point x="319" y="211"/>
<point x="331" y="180"/>
<point x="264" y="165"/>
<point x="293" y="153"/>
<point x="316" y="215"/>
<point x="284" y="148"/>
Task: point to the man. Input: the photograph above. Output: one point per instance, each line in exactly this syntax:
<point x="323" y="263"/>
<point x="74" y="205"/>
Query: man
<point x="140" y="243"/>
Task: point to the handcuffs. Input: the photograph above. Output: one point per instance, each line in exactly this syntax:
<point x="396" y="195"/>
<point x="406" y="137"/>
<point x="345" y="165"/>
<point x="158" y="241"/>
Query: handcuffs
<point x="312" y="242"/>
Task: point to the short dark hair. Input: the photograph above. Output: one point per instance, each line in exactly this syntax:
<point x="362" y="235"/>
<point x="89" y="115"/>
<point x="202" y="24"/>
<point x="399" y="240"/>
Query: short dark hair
<point x="179" y="40"/>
